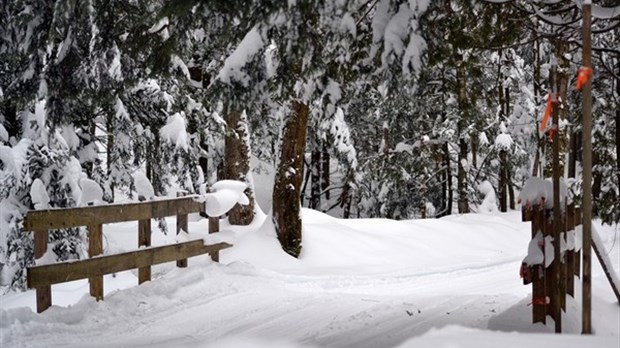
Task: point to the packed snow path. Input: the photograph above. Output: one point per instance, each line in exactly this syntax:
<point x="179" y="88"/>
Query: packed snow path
<point x="359" y="283"/>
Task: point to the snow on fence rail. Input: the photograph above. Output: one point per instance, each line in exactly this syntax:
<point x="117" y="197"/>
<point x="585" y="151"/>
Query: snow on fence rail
<point x="93" y="217"/>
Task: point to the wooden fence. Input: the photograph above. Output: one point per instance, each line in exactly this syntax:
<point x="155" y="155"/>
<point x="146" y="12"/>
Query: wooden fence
<point x="548" y="282"/>
<point x="551" y="284"/>
<point x="94" y="217"/>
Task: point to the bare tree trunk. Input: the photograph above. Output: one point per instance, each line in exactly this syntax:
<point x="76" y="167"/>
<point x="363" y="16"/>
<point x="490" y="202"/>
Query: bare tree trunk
<point x="286" y="191"/>
<point x="315" y="179"/>
<point x="502" y="181"/>
<point x="463" y="202"/>
<point x="618" y="124"/>
<point x="448" y="180"/>
<point x="325" y="170"/>
<point x="237" y="165"/>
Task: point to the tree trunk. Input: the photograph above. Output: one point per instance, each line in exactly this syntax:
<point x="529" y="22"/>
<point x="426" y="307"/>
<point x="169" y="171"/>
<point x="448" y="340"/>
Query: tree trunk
<point x="450" y="198"/>
<point x="237" y="165"/>
<point x="502" y="181"/>
<point x="315" y="179"/>
<point x="325" y="170"/>
<point x="618" y="125"/>
<point x="463" y="203"/>
<point x="286" y="191"/>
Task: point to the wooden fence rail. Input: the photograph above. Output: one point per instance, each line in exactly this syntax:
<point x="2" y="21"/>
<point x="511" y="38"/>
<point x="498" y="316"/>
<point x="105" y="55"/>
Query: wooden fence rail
<point x="94" y="217"/>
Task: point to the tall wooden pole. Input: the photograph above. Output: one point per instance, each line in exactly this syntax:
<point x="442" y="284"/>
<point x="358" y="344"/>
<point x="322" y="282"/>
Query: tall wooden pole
<point x="587" y="173"/>
<point x="556" y="298"/>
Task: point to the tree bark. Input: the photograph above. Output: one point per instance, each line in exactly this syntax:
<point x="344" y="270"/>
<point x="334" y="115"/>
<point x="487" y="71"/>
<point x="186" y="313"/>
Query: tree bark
<point x="325" y="170"/>
<point x="286" y="191"/>
<point x="618" y="125"/>
<point x="315" y="179"/>
<point x="237" y="165"/>
<point x="463" y="203"/>
<point x="450" y="197"/>
<point x="502" y="181"/>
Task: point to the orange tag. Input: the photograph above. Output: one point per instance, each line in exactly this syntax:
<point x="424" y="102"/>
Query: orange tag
<point x="547" y="114"/>
<point x="583" y="75"/>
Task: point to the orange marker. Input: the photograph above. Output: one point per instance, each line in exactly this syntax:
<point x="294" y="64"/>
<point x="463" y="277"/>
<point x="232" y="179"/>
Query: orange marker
<point x="547" y="114"/>
<point x="583" y="75"/>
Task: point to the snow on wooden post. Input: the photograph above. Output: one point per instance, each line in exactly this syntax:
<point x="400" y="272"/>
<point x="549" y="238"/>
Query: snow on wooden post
<point x="144" y="239"/>
<point x="95" y="247"/>
<point x="44" y="293"/>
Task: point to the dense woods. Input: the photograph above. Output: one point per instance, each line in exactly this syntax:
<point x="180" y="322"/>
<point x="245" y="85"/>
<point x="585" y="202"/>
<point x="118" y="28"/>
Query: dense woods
<point x="380" y="108"/>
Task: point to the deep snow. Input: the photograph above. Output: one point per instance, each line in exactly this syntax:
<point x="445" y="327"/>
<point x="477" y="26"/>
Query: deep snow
<point x="451" y="282"/>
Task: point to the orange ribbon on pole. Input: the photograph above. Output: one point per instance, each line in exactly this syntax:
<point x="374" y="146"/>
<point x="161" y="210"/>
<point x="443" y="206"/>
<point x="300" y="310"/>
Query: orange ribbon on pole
<point x="583" y="75"/>
<point x="547" y="114"/>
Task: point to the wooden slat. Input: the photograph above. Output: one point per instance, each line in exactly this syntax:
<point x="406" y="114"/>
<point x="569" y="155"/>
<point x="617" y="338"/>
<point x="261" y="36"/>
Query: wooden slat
<point x="43" y="293"/>
<point x="144" y="239"/>
<point x="69" y="271"/>
<point x="103" y="214"/>
<point x="95" y="248"/>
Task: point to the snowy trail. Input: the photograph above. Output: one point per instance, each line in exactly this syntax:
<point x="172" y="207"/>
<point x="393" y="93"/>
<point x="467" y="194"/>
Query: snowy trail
<point x="326" y="311"/>
<point x="463" y="275"/>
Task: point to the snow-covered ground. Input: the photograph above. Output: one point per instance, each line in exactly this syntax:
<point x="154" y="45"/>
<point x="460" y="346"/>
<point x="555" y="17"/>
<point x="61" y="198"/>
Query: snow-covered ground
<point x="451" y="282"/>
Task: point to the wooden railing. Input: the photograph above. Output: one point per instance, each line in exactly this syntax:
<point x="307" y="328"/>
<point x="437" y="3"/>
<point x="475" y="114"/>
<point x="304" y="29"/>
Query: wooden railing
<point x="94" y="217"/>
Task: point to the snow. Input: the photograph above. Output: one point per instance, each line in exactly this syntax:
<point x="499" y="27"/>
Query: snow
<point x="450" y="282"/>
<point x="251" y="44"/>
<point x="538" y="191"/>
<point x="91" y="192"/>
<point x="4" y="135"/>
<point x="489" y="203"/>
<point x="174" y="132"/>
<point x="227" y="193"/>
<point x="38" y="195"/>
<point x="535" y="255"/>
<point x="143" y="186"/>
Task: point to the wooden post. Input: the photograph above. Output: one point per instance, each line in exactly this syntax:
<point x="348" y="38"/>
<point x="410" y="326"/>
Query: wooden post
<point x="182" y="224"/>
<point x="549" y="279"/>
<point x="578" y="252"/>
<point x="214" y="227"/>
<point x="570" y="254"/>
<point x="587" y="173"/>
<point x="95" y="247"/>
<point x="44" y="293"/>
<point x="144" y="239"/>
<point x="539" y="310"/>
<point x="557" y="262"/>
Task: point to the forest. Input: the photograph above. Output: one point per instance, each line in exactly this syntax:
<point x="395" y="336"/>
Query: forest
<point x="363" y="108"/>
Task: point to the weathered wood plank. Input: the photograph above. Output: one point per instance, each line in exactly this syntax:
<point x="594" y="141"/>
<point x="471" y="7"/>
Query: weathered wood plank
<point x="68" y="271"/>
<point x="43" y="293"/>
<point x="104" y="214"/>
<point x="95" y="248"/>
<point x="144" y="239"/>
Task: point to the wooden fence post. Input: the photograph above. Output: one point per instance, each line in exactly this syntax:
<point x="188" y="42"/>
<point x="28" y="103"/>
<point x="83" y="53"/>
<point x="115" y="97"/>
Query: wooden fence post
<point x="144" y="239"/>
<point x="570" y="253"/>
<point x="44" y="293"/>
<point x="182" y="223"/>
<point x="549" y="274"/>
<point x="95" y="247"/>
<point x="578" y="252"/>
<point x="539" y="310"/>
